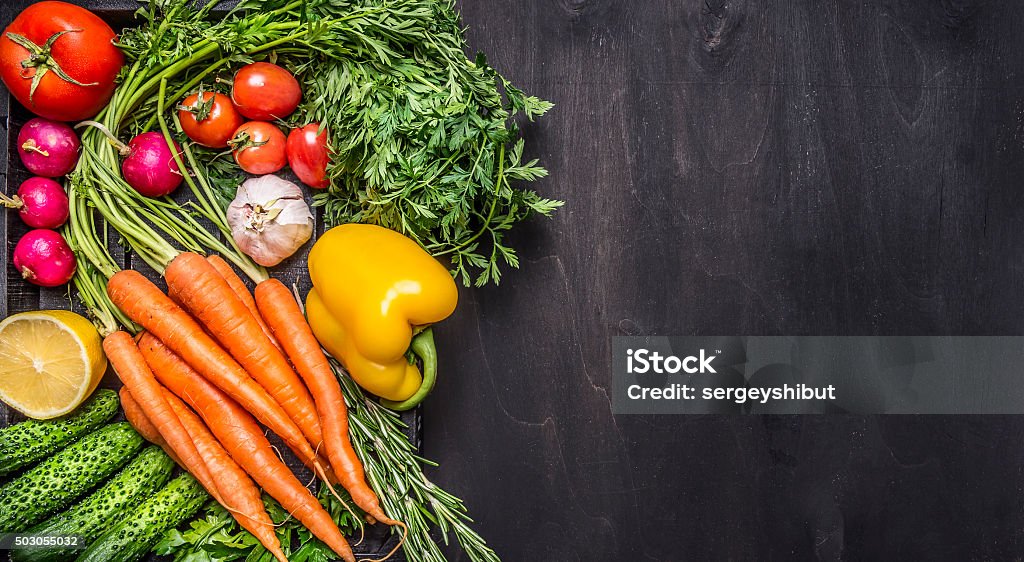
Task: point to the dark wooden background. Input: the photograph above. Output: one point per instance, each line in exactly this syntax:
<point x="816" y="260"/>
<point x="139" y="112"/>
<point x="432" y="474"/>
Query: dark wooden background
<point x="743" y="167"/>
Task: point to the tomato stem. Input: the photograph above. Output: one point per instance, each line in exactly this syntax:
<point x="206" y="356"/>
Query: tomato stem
<point x="41" y="62"/>
<point x="244" y="141"/>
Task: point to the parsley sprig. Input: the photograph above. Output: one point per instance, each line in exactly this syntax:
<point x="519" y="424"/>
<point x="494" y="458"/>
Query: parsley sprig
<point x="216" y="536"/>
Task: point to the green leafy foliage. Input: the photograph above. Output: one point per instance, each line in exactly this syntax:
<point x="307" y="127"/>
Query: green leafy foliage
<point x="221" y="171"/>
<point x="425" y="143"/>
<point x="426" y="140"/>
<point x="216" y="536"/>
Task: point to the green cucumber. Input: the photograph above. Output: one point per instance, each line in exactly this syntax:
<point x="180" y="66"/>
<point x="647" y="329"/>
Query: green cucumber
<point x="29" y="441"/>
<point x="87" y="519"/>
<point x="57" y="481"/>
<point x="139" y="530"/>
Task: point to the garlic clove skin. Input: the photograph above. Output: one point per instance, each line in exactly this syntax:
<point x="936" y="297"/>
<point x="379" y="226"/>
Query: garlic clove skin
<point x="269" y="219"/>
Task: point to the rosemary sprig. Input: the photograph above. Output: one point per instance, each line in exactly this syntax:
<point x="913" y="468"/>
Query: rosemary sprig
<point x="396" y="471"/>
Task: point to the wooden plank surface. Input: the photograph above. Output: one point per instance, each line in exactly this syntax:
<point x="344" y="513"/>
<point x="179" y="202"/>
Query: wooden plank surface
<point x="743" y="167"/>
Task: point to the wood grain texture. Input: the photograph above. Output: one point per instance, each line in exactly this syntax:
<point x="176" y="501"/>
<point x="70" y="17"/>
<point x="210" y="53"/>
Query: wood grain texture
<point x="743" y="167"/>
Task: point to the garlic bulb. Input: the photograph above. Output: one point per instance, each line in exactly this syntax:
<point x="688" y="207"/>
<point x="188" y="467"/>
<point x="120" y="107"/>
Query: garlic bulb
<point x="269" y="219"/>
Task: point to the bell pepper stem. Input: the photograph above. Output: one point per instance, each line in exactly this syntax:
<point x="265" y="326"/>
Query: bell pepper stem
<point x="423" y="347"/>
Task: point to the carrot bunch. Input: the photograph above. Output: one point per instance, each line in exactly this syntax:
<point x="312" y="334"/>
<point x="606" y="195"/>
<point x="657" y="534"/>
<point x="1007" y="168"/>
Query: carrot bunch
<point x="215" y="362"/>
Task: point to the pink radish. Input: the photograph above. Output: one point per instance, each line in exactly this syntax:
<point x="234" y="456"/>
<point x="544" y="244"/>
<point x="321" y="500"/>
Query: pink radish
<point x="150" y="166"/>
<point x="43" y="257"/>
<point x="41" y="203"/>
<point x="48" y="148"/>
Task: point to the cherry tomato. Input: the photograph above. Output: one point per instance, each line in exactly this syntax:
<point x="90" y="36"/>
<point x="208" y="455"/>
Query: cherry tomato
<point x="265" y="92"/>
<point x="259" y="148"/>
<point x="59" y="61"/>
<point x="308" y="155"/>
<point x="210" y="121"/>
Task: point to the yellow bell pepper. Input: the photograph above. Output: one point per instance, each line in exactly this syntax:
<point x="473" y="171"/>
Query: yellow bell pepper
<point x="373" y="291"/>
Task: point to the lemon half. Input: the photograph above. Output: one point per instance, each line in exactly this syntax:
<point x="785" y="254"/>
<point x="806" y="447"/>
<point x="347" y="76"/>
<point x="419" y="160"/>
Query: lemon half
<point x="50" y="362"/>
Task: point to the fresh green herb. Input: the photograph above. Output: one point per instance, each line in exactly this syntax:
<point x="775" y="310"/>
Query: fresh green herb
<point x="221" y="172"/>
<point x="215" y="536"/>
<point x="424" y="141"/>
<point x="392" y="464"/>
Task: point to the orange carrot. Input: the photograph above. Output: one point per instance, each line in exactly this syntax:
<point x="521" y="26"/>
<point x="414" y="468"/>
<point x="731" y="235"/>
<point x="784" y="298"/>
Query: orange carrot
<point x="244" y="441"/>
<point x="194" y="283"/>
<point x="135" y="416"/>
<point x="278" y="307"/>
<point x="146" y="304"/>
<point x="243" y="498"/>
<point x="232" y="482"/>
<point x="131" y="368"/>
<point x="242" y="292"/>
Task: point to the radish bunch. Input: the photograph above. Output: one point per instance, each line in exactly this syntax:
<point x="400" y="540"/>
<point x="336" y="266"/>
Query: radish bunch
<point x="48" y="149"/>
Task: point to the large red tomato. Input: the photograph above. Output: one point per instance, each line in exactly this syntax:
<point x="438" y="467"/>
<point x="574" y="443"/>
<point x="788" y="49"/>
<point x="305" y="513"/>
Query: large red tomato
<point x="59" y="61"/>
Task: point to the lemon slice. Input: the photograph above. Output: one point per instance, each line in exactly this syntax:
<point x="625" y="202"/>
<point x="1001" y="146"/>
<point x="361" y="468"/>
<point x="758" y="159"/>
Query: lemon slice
<point x="50" y="362"/>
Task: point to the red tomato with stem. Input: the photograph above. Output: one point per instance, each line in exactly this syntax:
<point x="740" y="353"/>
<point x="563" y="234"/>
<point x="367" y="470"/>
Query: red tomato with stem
<point x="308" y="155"/>
<point x="259" y="148"/>
<point x="59" y="61"/>
<point x="265" y="92"/>
<point x="209" y="118"/>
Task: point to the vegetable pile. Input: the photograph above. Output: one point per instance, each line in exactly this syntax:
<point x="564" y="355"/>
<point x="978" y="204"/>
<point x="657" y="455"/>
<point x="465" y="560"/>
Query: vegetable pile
<point x="423" y="140"/>
<point x="373" y="104"/>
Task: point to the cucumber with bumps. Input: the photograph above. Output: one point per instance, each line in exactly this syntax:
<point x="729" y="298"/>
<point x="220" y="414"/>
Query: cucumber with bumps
<point x="87" y="519"/>
<point x="29" y="441"/>
<point x="140" y="529"/>
<point x="58" y="480"/>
